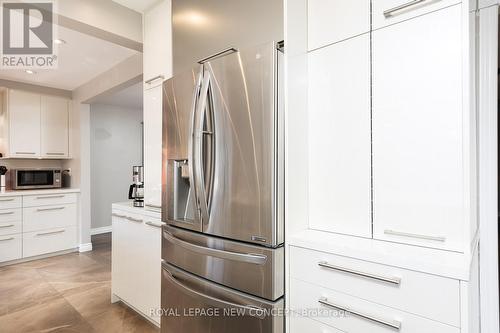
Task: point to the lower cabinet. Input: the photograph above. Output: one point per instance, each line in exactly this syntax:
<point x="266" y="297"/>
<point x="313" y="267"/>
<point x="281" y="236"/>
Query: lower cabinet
<point x="136" y="262"/>
<point x="33" y="225"/>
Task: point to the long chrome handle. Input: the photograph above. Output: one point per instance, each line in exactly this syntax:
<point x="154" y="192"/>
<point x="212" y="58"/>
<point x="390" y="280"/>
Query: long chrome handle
<point x="392" y="11"/>
<point x="154" y="79"/>
<point x="251" y="258"/>
<point x="247" y="309"/>
<point x="153" y="206"/>
<point x="7" y="213"/>
<point x="51" y="232"/>
<point x="56" y="154"/>
<point x="127" y="218"/>
<point x="49" y="209"/>
<point x="191" y="143"/>
<point x="406" y="234"/>
<point x="6" y="226"/>
<point x="218" y="54"/>
<point x="392" y="280"/>
<point x="51" y="197"/>
<point x="25" y="153"/>
<point x="156" y="225"/>
<point x="5" y="200"/>
<point x="6" y="239"/>
<point x="394" y="324"/>
<point x="198" y="148"/>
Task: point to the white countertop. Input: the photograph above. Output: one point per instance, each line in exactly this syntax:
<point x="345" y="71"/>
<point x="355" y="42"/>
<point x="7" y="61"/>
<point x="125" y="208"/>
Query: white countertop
<point x="14" y="193"/>
<point x="129" y="207"/>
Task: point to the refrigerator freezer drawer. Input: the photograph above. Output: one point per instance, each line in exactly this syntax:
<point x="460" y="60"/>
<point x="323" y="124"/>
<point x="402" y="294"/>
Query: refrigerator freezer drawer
<point x="194" y="305"/>
<point x="251" y="269"/>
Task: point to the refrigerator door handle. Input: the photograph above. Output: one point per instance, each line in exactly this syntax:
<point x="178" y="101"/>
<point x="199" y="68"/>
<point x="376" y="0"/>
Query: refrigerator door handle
<point x="199" y="135"/>
<point x="251" y="258"/>
<point x="248" y="310"/>
<point x="192" y="141"/>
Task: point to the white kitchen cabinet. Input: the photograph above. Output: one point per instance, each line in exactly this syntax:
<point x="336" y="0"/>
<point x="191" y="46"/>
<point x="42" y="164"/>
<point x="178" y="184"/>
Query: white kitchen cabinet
<point x="49" y="241"/>
<point x="339" y="138"/>
<point x="418" y="132"/>
<point x="24" y="124"/>
<point x="136" y="258"/>
<point x="11" y="247"/>
<point x="157" y="44"/>
<point x="331" y="21"/>
<point x="54" y="127"/>
<point x="152" y="147"/>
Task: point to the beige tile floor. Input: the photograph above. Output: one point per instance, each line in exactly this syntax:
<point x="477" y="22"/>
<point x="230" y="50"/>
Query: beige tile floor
<point x="68" y="293"/>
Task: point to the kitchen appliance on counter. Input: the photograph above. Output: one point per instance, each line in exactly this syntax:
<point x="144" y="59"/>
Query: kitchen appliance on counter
<point x="223" y="172"/>
<point x="36" y="178"/>
<point x="136" y="190"/>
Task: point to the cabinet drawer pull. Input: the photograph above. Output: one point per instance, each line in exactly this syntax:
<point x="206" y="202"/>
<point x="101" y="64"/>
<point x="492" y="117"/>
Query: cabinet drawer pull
<point x="25" y="153"/>
<point x="6" y="239"/>
<point x="120" y="216"/>
<point x="127" y="217"/>
<point x="405" y="234"/>
<point x="391" y="12"/>
<point x="153" y="206"/>
<point x="49" y="209"/>
<point x="6" y="226"/>
<point x="394" y="324"/>
<point x="154" y="79"/>
<point x="7" y="213"/>
<point x="51" y="197"/>
<point x="5" y="200"/>
<point x="392" y="280"/>
<point x="56" y="154"/>
<point x="51" y="232"/>
<point x="156" y="225"/>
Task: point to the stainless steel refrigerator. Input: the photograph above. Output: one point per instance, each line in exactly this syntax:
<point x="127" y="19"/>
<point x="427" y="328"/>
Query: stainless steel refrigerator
<point x="223" y="172"/>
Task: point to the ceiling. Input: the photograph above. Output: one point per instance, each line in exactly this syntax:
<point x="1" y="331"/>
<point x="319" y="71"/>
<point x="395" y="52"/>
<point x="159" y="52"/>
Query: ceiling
<point x="130" y="98"/>
<point x="137" y="5"/>
<point x="81" y="59"/>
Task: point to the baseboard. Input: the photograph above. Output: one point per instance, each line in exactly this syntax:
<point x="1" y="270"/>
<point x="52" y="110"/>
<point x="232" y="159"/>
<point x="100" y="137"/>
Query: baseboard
<point x="85" y="247"/>
<point x="102" y="230"/>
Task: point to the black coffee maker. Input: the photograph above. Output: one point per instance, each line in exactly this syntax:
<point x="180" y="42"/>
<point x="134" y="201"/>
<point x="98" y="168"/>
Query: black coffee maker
<point x="136" y="190"/>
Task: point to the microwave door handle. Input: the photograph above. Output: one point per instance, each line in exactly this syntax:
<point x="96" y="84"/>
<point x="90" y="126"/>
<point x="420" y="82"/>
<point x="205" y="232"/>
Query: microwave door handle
<point x="198" y="149"/>
<point x="248" y="310"/>
<point x="191" y="142"/>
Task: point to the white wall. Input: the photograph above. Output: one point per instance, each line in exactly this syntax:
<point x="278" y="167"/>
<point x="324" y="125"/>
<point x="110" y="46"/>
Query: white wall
<point x="115" y="146"/>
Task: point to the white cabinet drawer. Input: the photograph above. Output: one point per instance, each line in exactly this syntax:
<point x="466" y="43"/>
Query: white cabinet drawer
<point x="362" y="316"/>
<point x="11" y="202"/>
<point x="426" y="295"/>
<point x="49" y="199"/>
<point x="11" y="247"/>
<point x="47" y="241"/>
<point x="386" y="12"/>
<point x="330" y="21"/>
<point x="300" y="324"/>
<point x="47" y="217"/>
<point x="11" y="221"/>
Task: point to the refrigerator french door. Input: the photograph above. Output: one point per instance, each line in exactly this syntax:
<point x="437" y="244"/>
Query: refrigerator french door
<point x="223" y="188"/>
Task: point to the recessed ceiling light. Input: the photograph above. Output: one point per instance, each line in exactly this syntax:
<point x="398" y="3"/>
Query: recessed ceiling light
<point x="29" y="71"/>
<point x="59" y="41"/>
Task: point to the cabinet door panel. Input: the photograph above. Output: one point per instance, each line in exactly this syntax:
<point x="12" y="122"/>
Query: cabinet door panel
<point x="54" y="127"/>
<point x="152" y="146"/>
<point x="24" y="131"/>
<point x="339" y="134"/>
<point x="418" y="131"/>
<point x="330" y="21"/>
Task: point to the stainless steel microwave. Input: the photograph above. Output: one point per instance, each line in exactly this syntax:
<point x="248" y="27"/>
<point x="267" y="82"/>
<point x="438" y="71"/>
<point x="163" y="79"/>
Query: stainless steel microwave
<point x="35" y="178"/>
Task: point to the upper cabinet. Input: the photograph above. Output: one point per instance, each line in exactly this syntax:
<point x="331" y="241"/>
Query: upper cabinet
<point x="331" y="21"/>
<point x="22" y="110"/>
<point x="420" y="125"/>
<point x="34" y="125"/>
<point x="157" y="44"/>
<point x="54" y="127"/>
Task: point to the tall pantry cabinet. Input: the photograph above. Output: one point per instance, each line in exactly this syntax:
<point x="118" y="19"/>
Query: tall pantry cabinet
<point x="390" y="165"/>
<point x="157" y="68"/>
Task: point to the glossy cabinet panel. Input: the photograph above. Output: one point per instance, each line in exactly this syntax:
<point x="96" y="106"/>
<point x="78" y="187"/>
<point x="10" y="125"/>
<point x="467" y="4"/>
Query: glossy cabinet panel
<point x="24" y="124"/>
<point x="54" y="127"/>
<point x="339" y="138"/>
